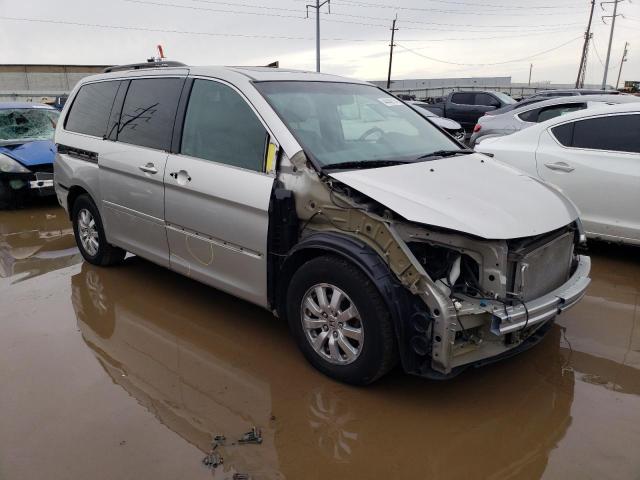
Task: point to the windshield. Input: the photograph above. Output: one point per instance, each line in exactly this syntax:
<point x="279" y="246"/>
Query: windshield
<point x="504" y="97"/>
<point x="24" y="124"/>
<point x="344" y="122"/>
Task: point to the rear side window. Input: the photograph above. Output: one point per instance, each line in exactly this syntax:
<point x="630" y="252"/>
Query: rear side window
<point x="221" y="127"/>
<point x="619" y="133"/>
<point x="463" y="98"/>
<point x="546" y="113"/>
<point x="530" y="116"/>
<point x="91" y="107"/>
<point x="486" y="100"/>
<point x="149" y="111"/>
<point x="564" y="134"/>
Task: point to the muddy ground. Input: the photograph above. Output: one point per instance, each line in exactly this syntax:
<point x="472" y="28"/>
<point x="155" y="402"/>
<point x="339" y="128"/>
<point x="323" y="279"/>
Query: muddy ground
<point x="130" y="372"/>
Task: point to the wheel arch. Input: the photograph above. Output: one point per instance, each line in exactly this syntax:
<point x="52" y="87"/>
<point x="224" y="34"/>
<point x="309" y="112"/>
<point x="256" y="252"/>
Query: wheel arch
<point x="351" y="249"/>
<point x="74" y="192"/>
<point x="402" y="305"/>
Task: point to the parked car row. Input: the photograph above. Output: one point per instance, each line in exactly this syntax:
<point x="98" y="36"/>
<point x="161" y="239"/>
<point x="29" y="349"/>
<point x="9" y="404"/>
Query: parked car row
<point x="521" y="117"/>
<point x="465" y="107"/>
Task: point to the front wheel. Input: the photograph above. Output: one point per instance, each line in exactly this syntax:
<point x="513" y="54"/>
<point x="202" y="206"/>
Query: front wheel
<point x="89" y="233"/>
<point x="340" y="321"/>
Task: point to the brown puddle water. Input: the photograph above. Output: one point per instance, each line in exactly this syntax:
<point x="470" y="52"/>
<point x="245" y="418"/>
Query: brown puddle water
<point x="129" y="372"/>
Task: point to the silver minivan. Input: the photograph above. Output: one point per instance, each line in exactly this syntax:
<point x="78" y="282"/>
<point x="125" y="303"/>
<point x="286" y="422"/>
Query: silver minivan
<point x="379" y="238"/>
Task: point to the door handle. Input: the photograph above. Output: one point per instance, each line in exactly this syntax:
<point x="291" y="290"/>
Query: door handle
<point x="149" y="168"/>
<point x="561" y="166"/>
<point x="182" y="176"/>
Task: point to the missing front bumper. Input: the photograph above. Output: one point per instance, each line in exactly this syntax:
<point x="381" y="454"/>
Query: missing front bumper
<point x="513" y="318"/>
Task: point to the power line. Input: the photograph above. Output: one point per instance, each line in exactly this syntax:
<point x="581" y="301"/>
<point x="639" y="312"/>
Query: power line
<point x="383" y="19"/>
<point x="556" y="29"/>
<point x="248" y="5"/>
<point x="489" y="64"/>
<point x="174" y="5"/>
<point x="504" y="7"/>
<point x="595" y="49"/>
<point x="466" y="4"/>
<point x="497" y="37"/>
<point x="239" y="35"/>
<point x="518" y="28"/>
<point x="208" y="9"/>
<point x="593" y="44"/>
<point x="182" y="32"/>
<point x="359" y="3"/>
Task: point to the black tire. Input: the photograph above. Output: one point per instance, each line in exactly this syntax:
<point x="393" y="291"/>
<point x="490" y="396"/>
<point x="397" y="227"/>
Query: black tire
<point x="378" y="351"/>
<point x="106" y="254"/>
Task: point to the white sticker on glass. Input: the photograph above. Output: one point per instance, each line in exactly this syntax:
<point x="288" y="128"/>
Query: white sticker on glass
<point x="390" y="101"/>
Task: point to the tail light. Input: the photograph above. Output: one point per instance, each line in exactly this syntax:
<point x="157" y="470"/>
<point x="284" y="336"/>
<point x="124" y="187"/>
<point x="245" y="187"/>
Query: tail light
<point x="477" y="128"/>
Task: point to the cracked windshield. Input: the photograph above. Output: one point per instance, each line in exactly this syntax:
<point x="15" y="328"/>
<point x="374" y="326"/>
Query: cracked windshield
<point x="18" y="125"/>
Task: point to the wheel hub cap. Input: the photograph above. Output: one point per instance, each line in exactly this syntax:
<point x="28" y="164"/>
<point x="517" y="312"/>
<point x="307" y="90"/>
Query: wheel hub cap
<point x="88" y="232"/>
<point x="332" y="324"/>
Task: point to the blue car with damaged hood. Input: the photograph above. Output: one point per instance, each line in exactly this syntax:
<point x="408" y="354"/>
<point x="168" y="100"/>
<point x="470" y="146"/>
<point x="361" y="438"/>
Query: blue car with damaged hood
<point x="27" y="151"/>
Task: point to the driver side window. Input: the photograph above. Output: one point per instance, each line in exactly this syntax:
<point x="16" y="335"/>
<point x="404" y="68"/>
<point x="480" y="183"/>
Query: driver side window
<point x="221" y="126"/>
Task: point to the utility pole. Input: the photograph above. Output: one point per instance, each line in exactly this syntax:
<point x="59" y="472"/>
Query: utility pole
<point x="585" y="50"/>
<point x="613" y="24"/>
<point x="318" y="6"/>
<point x="624" y="59"/>
<point x="530" y="70"/>
<point x="393" y="31"/>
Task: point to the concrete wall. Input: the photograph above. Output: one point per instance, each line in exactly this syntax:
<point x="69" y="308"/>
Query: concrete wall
<point x="35" y="82"/>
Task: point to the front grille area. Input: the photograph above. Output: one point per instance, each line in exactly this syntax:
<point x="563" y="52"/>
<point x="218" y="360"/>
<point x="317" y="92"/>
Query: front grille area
<point x="541" y="267"/>
<point x="44" y="168"/>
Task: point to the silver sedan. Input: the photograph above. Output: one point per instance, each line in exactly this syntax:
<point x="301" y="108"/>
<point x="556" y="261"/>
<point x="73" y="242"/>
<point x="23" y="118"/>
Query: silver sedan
<point x="526" y="116"/>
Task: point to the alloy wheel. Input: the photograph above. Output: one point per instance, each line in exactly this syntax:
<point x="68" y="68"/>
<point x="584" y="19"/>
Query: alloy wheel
<point x="88" y="233"/>
<point x="331" y="323"/>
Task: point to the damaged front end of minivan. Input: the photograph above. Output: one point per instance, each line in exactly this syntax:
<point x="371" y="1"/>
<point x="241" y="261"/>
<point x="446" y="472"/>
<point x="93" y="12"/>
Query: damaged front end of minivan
<point x="458" y="298"/>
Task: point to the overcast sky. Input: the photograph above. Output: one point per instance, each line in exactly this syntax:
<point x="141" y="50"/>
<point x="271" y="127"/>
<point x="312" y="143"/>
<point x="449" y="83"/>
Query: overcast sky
<point x="355" y="35"/>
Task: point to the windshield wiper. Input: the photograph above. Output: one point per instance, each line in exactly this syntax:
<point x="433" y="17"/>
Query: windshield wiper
<point x="364" y="164"/>
<point x="446" y="153"/>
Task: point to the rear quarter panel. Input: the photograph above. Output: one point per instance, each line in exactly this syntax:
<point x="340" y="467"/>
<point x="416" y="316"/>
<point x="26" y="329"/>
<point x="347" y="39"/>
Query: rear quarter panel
<point x="516" y="150"/>
<point x="70" y="171"/>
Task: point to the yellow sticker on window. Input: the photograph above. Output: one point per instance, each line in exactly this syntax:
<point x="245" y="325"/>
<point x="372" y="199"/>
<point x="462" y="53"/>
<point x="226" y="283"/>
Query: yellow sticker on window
<point x="271" y="156"/>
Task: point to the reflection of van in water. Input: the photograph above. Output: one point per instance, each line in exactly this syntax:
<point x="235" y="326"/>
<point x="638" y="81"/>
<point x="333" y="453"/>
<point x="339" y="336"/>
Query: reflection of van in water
<point x="205" y="364"/>
<point x="327" y="201"/>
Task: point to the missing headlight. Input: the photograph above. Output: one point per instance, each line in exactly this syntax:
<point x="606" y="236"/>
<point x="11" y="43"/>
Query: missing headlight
<point x="457" y="271"/>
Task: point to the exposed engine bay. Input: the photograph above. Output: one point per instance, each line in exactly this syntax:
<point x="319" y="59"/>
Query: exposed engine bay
<point x="479" y="299"/>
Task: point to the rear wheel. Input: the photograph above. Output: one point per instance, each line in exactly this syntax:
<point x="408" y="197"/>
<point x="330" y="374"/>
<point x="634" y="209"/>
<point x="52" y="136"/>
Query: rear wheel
<point x="89" y="234"/>
<point x="340" y="321"/>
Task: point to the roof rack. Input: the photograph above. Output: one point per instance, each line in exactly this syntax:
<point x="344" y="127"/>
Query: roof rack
<point x="140" y="66"/>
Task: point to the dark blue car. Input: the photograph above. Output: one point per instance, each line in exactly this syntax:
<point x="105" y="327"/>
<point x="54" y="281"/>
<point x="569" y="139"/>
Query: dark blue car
<point x="27" y="151"/>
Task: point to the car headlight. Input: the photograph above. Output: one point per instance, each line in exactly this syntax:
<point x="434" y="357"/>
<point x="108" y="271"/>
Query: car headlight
<point x="9" y="165"/>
